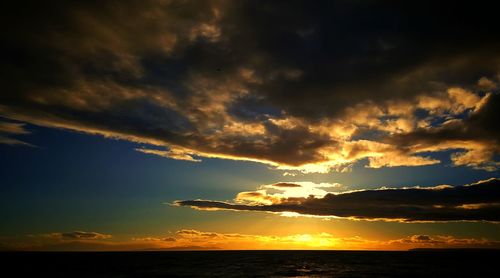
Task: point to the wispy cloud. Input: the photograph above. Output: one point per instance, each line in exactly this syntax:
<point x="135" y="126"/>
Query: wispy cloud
<point x="171" y="153"/>
<point x="8" y="129"/>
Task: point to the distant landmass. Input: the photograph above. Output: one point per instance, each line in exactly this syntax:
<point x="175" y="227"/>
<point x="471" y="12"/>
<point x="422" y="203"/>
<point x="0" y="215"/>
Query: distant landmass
<point x="454" y="249"/>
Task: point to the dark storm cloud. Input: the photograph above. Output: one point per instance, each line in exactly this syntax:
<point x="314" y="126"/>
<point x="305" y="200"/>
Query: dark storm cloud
<point x="208" y="78"/>
<point x="475" y="202"/>
<point x="79" y="64"/>
<point x="375" y="51"/>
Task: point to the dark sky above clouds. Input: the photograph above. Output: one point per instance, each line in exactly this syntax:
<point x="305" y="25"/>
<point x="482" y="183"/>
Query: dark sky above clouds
<point x="304" y="88"/>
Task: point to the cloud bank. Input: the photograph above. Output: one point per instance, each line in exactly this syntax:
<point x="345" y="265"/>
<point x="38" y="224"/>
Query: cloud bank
<point x="474" y="202"/>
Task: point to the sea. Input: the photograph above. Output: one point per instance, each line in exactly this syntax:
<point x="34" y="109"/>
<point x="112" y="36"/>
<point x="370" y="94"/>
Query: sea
<point x="422" y="263"/>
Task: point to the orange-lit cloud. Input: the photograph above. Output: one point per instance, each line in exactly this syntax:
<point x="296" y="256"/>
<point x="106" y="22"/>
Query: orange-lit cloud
<point x="316" y="147"/>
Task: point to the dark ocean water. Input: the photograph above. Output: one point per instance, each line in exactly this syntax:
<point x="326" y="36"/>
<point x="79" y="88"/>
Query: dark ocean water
<point x="252" y="264"/>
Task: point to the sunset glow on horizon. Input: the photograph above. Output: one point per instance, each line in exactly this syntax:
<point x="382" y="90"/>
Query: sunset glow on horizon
<point x="249" y="125"/>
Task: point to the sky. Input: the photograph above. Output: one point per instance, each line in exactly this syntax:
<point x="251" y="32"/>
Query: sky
<point x="207" y="125"/>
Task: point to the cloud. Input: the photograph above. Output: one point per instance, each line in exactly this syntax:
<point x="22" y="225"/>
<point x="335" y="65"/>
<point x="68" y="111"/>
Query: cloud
<point x="486" y="83"/>
<point x="11" y="128"/>
<point x="77" y="235"/>
<point x="12" y="141"/>
<point x="172" y="153"/>
<point x="154" y="239"/>
<point x="285" y="184"/>
<point x="475" y="202"/>
<point x="275" y="193"/>
<point x="440" y="241"/>
<point x="292" y="86"/>
<point x="65" y="241"/>
<point x="476" y="136"/>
